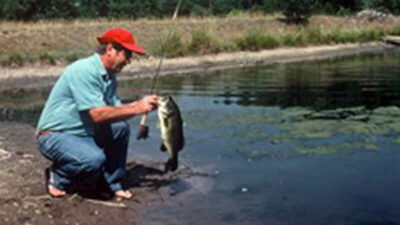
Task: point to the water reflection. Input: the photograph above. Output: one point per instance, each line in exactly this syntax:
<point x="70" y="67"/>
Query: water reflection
<point x="368" y="81"/>
<point x="320" y="85"/>
<point x="22" y="105"/>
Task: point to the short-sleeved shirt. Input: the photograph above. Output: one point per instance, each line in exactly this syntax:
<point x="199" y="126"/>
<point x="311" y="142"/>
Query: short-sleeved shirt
<point x="85" y="84"/>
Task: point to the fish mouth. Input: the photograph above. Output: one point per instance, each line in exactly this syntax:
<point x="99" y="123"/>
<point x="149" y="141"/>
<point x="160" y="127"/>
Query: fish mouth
<point x="163" y="99"/>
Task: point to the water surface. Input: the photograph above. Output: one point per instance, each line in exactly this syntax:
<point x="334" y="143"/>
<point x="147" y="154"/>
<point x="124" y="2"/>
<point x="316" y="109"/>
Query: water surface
<point x="301" y="143"/>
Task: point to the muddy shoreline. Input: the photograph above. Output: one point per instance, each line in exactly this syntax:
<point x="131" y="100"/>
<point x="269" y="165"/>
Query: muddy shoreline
<point x="22" y="196"/>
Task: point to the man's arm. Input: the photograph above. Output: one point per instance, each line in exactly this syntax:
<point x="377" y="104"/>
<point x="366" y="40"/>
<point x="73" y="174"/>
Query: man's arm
<point x="115" y="113"/>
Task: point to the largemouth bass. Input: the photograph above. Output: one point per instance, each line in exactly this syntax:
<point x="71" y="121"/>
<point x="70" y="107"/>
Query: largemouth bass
<point x="171" y="125"/>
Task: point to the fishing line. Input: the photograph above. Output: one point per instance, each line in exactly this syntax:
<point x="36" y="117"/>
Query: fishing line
<point x="163" y="47"/>
<point x="143" y="128"/>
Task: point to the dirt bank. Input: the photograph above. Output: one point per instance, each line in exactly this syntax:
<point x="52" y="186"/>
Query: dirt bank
<point x="22" y="195"/>
<point x="23" y="199"/>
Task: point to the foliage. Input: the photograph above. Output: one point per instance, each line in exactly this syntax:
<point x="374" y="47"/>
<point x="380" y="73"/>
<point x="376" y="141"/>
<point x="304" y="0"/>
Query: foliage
<point x="203" y="42"/>
<point x="14" y="60"/>
<point x="169" y="44"/>
<point x="295" y="10"/>
<point x="257" y="40"/>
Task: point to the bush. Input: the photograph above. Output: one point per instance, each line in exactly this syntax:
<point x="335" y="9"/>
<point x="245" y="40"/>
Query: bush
<point x="394" y="31"/>
<point x="256" y="41"/>
<point x="315" y="35"/>
<point x="72" y="56"/>
<point x="339" y="36"/>
<point x="297" y="11"/>
<point x="169" y="44"/>
<point x="202" y="42"/>
<point x="47" y="58"/>
<point x="15" y="59"/>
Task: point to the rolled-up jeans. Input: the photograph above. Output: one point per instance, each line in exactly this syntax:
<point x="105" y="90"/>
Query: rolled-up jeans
<point x="77" y="157"/>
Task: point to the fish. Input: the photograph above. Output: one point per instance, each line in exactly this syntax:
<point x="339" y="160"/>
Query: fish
<point x="171" y="125"/>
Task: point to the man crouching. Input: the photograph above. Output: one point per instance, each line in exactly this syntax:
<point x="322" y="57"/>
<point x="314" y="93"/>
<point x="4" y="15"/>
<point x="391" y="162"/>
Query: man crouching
<point x="82" y="128"/>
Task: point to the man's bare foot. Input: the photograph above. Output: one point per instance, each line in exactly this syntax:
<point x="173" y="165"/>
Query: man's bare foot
<point x="50" y="189"/>
<point x="56" y="193"/>
<point x="123" y="194"/>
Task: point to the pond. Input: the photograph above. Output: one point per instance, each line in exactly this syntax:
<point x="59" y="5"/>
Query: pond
<point x="300" y="143"/>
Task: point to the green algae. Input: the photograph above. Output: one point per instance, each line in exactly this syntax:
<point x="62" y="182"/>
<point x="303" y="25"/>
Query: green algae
<point x="321" y="150"/>
<point x="336" y="148"/>
<point x="357" y="120"/>
<point x="255" y="154"/>
<point x="295" y="113"/>
<point x="387" y="111"/>
<point x="228" y="119"/>
<point x="310" y="129"/>
<point x="396" y="140"/>
<point x="329" y="149"/>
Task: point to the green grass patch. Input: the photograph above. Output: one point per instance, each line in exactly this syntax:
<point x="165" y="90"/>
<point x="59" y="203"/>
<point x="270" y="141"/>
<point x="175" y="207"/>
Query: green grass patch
<point x="203" y="42"/>
<point x="170" y="44"/>
<point x="15" y="59"/>
<point x="340" y="36"/>
<point x="47" y="58"/>
<point x="257" y="40"/>
<point x="394" y="31"/>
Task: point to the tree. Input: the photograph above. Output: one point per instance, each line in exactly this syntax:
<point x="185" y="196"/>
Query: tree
<point x="297" y="11"/>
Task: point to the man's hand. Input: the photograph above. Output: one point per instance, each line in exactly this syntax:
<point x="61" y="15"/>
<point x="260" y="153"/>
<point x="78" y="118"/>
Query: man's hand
<point x="147" y="104"/>
<point x="111" y="113"/>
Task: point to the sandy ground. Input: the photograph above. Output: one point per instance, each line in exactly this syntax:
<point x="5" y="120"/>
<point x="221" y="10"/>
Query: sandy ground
<point x="22" y="195"/>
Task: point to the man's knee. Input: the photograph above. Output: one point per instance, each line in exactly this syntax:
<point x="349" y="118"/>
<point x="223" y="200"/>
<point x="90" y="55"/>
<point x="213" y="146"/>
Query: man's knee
<point x="121" y="129"/>
<point x="94" y="163"/>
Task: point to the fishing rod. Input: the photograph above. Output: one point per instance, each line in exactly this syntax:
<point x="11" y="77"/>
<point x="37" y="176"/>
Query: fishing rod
<point x="143" y="132"/>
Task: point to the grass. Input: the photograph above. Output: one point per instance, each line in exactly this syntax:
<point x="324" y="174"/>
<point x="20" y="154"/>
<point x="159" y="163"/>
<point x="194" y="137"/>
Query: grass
<point x="51" y="42"/>
<point x="257" y="40"/>
<point x="203" y="42"/>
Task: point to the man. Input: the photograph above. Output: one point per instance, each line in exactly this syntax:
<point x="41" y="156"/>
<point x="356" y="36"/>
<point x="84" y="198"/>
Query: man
<point x="82" y="129"/>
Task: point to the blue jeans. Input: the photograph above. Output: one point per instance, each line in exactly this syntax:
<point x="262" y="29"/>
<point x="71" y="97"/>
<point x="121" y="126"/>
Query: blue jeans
<point x="76" y="158"/>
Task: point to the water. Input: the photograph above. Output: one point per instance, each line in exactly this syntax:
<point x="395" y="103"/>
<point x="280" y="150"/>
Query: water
<point x="272" y="159"/>
<point x="302" y="143"/>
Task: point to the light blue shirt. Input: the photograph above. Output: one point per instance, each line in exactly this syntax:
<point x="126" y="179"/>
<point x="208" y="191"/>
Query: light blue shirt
<point x="85" y="84"/>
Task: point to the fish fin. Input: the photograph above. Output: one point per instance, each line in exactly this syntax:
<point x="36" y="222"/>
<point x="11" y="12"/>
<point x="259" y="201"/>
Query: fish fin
<point x="171" y="165"/>
<point x="163" y="148"/>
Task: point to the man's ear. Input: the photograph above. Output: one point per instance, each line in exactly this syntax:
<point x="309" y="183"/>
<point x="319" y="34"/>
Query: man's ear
<point x="109" y="49"/>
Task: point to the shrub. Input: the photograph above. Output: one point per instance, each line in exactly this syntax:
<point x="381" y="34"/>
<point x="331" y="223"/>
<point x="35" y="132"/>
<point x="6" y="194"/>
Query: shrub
<point x="72" y="56"/>
<point x="256" y="41"/>
<point x="289" y="40"/>
<point x="297" y="11"/>
<point x="315" y="35"/>
<point x="394" y="31"/>
<point x="169" y="44"/>
<point x="47" y="58"/>
<point x="202" y="42"/>
<point x="15" y="59"/>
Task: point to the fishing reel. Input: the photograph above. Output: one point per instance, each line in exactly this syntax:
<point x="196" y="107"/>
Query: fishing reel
<point x="143" y="132"/>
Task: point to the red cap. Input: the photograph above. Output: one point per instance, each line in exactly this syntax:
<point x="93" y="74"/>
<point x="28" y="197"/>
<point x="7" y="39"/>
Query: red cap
<point x="122" y="37"/>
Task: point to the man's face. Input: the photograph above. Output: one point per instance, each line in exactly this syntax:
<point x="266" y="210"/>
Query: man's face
<point x="119" y="59"/>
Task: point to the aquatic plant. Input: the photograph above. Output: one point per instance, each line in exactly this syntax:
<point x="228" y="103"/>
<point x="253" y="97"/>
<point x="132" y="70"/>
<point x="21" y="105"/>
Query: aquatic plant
<point x="344" y="148"/>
